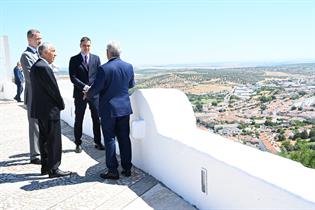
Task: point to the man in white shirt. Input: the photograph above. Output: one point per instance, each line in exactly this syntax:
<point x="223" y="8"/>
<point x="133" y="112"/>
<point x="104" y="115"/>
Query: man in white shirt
<point x="82" y="71"/>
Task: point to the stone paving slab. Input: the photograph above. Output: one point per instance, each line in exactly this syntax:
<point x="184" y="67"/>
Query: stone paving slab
<point x="22" y="186"/>
<point x="152" y="200"/>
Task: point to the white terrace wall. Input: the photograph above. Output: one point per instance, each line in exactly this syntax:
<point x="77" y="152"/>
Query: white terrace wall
<point x="167" y="144"/>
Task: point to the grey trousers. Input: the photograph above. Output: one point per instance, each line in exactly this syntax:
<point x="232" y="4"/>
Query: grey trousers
<point x="33" y="132"/>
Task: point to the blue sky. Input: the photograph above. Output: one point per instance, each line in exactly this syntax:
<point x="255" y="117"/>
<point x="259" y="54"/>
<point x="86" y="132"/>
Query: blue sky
<point x="160" y="32"/>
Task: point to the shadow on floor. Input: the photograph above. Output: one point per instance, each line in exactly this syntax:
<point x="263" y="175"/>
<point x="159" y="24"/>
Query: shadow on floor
<point x="39" y="182"/>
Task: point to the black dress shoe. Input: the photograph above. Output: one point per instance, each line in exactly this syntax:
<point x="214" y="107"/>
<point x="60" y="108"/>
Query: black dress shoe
<point x="126" y="173"/>
<point x="58" y="173"/>
<point x="36" y="161"/>
<point x="99" y="146"/>
<point x="44" y="171"/>
<point x="109" y="175"/>
<point x="78" y="149"/>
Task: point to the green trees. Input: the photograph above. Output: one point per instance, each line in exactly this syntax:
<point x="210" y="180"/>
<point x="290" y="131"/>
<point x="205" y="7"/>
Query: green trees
<point x="304" y="134"/>
<point x="214" y="103"/>
<point x="269" y="123"/>
<point x="280" y="131"/>
<point x="286" y="147"/>
<point x="264" y="99"/>
<point x="241" y="126"/>
<point x="312" y="133"/>
<point x="302" y="151"/>
<point x="294" y="97"/>
<point x="304" y="155"/>
<point x="234" y="98"/>
<point x="281" y="137"/>
<point x="198" y="107"/>
<point x="199" y="100"/>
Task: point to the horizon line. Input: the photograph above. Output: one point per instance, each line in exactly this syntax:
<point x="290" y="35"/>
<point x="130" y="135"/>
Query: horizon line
<point x="223" y="64"/>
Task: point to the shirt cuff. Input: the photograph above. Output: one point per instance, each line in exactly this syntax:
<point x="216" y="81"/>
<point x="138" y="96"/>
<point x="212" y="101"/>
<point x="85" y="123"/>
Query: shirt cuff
<point x="86" y="88"/>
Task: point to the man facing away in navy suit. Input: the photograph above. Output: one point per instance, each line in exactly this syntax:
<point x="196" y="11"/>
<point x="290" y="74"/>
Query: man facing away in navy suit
<point x="112" y="83"/>
<point x="82" y="71"/>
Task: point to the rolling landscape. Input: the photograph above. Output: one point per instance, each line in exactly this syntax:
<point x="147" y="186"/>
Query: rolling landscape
<point x="270" y="108"/>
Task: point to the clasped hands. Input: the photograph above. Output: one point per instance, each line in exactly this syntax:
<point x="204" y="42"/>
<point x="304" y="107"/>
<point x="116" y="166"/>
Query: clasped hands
<point x="85" y="90"/>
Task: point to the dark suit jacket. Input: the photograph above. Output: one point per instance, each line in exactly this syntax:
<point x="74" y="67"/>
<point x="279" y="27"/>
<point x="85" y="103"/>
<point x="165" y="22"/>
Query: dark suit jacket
<point x="112" y="82"/>
<point x="46" y="100"/>
<point x="80" y="74"/>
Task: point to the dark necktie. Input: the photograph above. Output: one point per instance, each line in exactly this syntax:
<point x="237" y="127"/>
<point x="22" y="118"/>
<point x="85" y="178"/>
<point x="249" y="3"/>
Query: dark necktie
<point x="85" y="60"/>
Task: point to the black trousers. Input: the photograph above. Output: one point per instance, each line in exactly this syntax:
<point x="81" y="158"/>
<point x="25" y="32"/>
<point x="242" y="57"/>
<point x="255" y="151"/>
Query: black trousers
<point x="50" y="143"/>
<point x="80" y="106"/>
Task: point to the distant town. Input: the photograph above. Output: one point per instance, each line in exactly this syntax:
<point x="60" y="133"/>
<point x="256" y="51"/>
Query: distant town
<point x="270" y="108"/>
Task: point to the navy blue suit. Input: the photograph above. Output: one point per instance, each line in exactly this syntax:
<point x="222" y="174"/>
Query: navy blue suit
<point x="112" y="82"/>
<point x="18" y="80"/>
<point x="81" y="75"/>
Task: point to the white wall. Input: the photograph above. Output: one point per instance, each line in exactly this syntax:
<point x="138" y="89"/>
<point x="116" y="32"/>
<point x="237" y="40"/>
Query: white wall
<point x="174" y="151"/>
<point x="169" y="146"/>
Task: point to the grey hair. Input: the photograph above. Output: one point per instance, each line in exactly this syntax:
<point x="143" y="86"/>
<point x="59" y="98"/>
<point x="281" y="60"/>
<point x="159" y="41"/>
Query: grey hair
<point x="45" y="46"/>
<point x="32" y="32"/>
<point x="113" y="48"/>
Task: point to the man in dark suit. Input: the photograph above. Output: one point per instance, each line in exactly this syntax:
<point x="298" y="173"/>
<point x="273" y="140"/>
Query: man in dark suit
<point x="82" y="71"/>
<point x="18" y="80"/>
<point x="28" y="58"/>
<point x="46" y="106"/>
<point x="113" y="80"/>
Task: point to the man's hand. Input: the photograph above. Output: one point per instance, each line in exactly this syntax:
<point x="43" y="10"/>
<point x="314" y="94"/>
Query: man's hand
<point x="85" y="90"/>
<point x="84" y="95"/>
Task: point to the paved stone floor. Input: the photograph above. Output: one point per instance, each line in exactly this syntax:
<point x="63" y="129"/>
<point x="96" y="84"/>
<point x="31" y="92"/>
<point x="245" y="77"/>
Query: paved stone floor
<point x="22" y="186"/>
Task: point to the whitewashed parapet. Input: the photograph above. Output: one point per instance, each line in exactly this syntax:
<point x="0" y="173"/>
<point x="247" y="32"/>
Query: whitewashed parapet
<point x="208" y="170"/>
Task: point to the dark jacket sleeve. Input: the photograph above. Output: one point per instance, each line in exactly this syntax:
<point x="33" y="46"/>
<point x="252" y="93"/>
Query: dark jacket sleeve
<point x="50" y="87"/>
<point x="73" y="74"/>
<point x="132" y="80"/>
<point x="98" y="84"/>
<point x="98" y="61"/>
